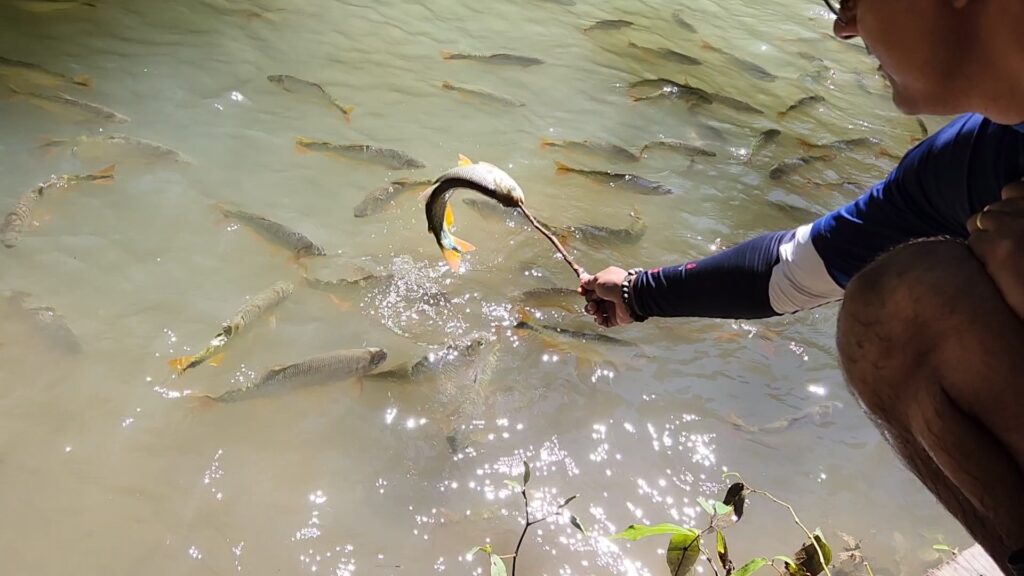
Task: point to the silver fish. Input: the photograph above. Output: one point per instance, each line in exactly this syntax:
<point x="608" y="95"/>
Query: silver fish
<point x="63" y="102"/>
<point x="255" y="308"/>
<point x="765" y="139"/>
<point x="817" y="413"/>
<point x="846" y="145"/>
<point x="328" y="368"/>
<point x="608" y="150"/>
<point x="734" y="103"/>
<point x="45" y="321"/>
<point x="749" y="68"/>
<point x="677" y="17"/>
<point x="36" y="74"/>
<point x="93" y="145"/>
<point x="385" y="196"/>
<point x="275" y="232"/>
<point x="21" y="214"/>
<point x="787" y="167"/>
<point x="387" y="157"/>
<point x="603" y="236"/>
<point x="561" y="298"/>
<point x="666" y="54"/>
<point x="802" y="103"/>
<point x="678" y="146"/>
<point x="481" y="177"/>
<point x="670" y="89"/>
<point x="609" y="25"/>
<point x="499" y="58"/>
<point x="628" y="182"/>
<point x="309" y="89"/>
<point x="482" y="94"/>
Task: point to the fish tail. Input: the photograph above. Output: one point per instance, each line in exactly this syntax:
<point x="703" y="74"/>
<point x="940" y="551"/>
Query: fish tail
<point x="446" y="55"/>
<point x="82" y="80"/>
<point x="781" y="115"/>
<point x="182" y="363"/>
<point x="546" y="143"/>
<point x="301" y="145"/>
<point x="563" y="167"/>
<point x="103" y="175"/>
<point x="426" y="193"/>
<point x="461" y="244"/>
<point x="706" y="45"/>
<point x="447" y="85"/>
<point x="453" y="258"/>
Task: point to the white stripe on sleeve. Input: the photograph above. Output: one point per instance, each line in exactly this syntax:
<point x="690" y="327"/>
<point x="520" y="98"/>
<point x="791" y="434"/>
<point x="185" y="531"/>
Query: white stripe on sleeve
<point x="800" y="281"/>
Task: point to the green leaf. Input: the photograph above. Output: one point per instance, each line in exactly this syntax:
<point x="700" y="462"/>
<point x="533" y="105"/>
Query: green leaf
<point x="723" y="553"/>
<point x="707" y="506"/>
<point x="514" y="485"/>
<point x="807" y="557"/>
<point x="751" y="567"/>
<point x="497" y="566"/>
<point x="636" y="532"/>
<point x="683" y="553"/>
<point x="576" y="522"/>
<point x="526" y="472"/>
<point x="567" y="500"/>
<point x="485" y="549"/>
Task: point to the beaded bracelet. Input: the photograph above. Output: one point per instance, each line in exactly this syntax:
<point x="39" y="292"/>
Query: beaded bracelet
<point x="627" y="295"/>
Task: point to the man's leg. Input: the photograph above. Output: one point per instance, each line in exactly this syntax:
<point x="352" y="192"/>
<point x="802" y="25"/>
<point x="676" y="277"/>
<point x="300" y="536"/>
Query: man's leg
<point x="935" y="355"/>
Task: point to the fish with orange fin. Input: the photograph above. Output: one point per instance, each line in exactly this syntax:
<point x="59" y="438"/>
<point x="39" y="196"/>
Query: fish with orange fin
<point x="21" y="214"/>
<point x="255" y="308"/>
<point x="482" y="177"/>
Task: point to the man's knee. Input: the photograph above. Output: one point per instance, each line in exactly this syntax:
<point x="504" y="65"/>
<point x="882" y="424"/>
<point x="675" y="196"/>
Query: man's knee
<point x="897" y="312"/>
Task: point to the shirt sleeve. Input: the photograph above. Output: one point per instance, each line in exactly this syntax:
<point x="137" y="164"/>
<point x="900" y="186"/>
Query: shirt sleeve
<point x="942" y="181"/>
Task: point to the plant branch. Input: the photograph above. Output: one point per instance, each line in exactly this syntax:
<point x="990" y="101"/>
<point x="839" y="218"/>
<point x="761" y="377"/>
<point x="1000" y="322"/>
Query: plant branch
<point x="526" y="505"/>
<point x="814" y="541"/>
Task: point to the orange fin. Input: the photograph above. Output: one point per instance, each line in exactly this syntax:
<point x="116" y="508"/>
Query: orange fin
<point x="545" y="143"/>
<point x="563" y="167"/>
<point x="300" y="149"/>
<point x="462" y="244"/>
<point x="104" y="175"/>
<point x="706" y="45"/>
<point x="449" y="217"/>
<point x="357" y="387"/>
<point x="464" y="161"/>
<point x="453" y="258"/>
<point x="446" y="55"/>
<point x="181" y="363"/>
<point x="82" y="80"/>
<point x="216" y="360"/>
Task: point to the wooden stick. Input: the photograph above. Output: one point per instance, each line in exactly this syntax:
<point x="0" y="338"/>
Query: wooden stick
<point x="554" y="241"/>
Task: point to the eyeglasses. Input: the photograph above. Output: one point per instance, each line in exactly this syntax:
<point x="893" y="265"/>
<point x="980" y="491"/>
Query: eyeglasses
<point x="835" y="7"/>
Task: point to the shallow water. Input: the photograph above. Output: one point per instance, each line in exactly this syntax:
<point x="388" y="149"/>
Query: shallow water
<point x="106" y="469"/>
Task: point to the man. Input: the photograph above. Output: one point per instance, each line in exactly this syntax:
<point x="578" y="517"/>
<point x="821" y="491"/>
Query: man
<point x="930" y="334"/>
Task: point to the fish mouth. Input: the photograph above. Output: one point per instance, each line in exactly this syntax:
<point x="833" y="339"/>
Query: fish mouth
<point x="377" y="357"/>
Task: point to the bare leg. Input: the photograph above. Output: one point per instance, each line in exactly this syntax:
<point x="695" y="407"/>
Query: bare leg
<point x="935" y="355"/>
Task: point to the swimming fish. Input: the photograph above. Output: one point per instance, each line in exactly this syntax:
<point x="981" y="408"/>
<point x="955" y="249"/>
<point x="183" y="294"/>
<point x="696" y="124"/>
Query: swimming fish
<point x="328" y="368"/>
<point x="309" y="89"/>
<point x="275" y="232"/>
<point x="603" y="236"/>
<point x="387" y="157"/>
<point x="101" y="145"/>
<point x="21" y="214"/>
<point x="44" y="6"/>
<point x="678" y="146"/>
<point x="666" y="54"/>
<point x="482" y="94"/>
<point x="842" y="145"/>
<point x="765" y="139"/>
<point x="749" y="68"/>
<point x="36" y="74"/>
<point x="385" y="196"/>
<point x="608" y="25"/>
<point x="628" y="182"/>
<point x="608" y="150"/>
<point x="787" y="167"/>
<point x="589" y="346"/>
<point x="664" y="88"/>
<point x="802" y="103"/>
<point x="482" y="177"/>
<point x="677" y="17"/>
<point x="254" y="309"/>
<point x="561" y="298"/>
<point x="441" y="362"/>
<point x="45" y="321"/>
<point x="499" y="58"/>
<point x="734" y="103"/>
<point x="817" y="413"/>
<point x="63" y="103"/>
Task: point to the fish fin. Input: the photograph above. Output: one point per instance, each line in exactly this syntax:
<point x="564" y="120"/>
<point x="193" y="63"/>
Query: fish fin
<point x="449" y="216"/>
<point x="358" y="385"/>
<point x="181" y="363"/>
<point x="446" y="55"/>
<point x="425" y="194"/>
<point x="464" y="161"/>
<point x="347" y="110"/>
<point x="82" y="80"/>
<point x="203" y="401"/>
<point x="104" y="175"/>
<point x="216" y="360"/>
<point x="447" y="85"/>
<point x="453" y="258"/>
<point x="461" y="244"/>
<point x="343" y="305"/>
<point x="299" y="146"/>
<point x="546" y="143"/>
<point x="562" y="167"/>
<point x="706" y="45"/>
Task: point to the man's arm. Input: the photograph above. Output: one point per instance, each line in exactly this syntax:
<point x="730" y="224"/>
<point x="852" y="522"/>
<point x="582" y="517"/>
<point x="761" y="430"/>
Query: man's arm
<point x="954" y="173"/>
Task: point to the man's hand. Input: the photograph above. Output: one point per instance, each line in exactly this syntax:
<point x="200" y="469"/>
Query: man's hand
<point x="997" y="239"/>
<point x="603" y="292"/>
